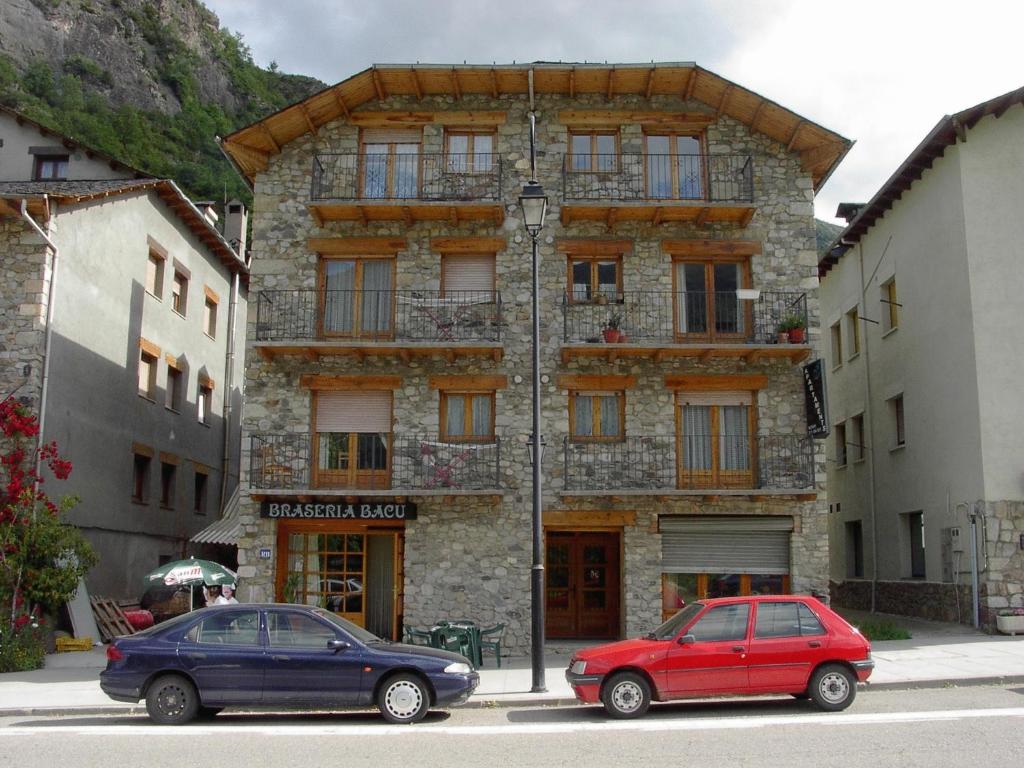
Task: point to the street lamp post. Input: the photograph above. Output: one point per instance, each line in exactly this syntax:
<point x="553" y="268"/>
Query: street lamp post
<point x="534" y="204"/>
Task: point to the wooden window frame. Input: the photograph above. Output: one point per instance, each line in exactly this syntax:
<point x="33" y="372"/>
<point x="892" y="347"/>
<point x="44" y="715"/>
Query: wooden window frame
<point x="57" y="161"/>
<point x="859" y="448"/>
<point x="141" y="466"/>
<point x="841" y="455"/>
<point x="470" y="134"/>
<point x="891" y="309"/>
<point x="159" y="260"/>
<point x="174" y="394"/>
<point x="179" y="301"/>
<point x="147" y="356"/>
<point x="673" y="146"/>
<point x="355" y="477"/>
<point x="737" y="478"/>
<point x="389" y="179"/>
<point x="357" y="300"/>
<point x="836" y="335"/>
<point x="581" y="258"/>
<point x="204" y="391"/>
<point x="853" y="325"/>
<point x="592" y="165"/>
<point x="709" y="262"/>
<point x="211" y="304"/>
<point x="702" y="589"/>
<point x="595" y="415"/>
<point x="468" y="394"/>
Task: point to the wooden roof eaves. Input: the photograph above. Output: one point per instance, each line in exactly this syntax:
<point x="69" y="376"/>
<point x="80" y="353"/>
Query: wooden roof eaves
<point x="255" y="136"/>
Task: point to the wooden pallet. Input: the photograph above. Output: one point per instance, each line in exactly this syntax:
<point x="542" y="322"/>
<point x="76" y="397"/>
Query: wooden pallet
<point x="110" y="619"/>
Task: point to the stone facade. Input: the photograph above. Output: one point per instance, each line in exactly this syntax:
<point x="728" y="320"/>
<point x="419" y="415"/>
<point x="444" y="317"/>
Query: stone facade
<point x="24" y="285"/>
<point x="471" y="556"/>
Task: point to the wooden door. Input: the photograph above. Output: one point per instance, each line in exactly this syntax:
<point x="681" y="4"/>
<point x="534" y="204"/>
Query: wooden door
<point x="583" y="585"/>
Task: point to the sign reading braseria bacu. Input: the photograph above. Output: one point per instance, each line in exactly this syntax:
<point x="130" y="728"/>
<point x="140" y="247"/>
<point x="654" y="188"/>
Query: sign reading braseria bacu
<point x="318" y="510"/>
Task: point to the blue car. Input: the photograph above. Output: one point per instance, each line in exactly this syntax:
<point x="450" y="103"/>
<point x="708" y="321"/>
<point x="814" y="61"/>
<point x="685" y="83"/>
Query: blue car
<point x="278" y="656"/>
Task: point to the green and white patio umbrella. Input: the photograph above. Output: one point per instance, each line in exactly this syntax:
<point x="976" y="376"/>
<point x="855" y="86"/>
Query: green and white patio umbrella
<point x="184" y="573"/>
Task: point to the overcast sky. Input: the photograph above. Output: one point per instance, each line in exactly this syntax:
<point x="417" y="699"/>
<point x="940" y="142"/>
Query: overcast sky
<point x="881" y="73"/>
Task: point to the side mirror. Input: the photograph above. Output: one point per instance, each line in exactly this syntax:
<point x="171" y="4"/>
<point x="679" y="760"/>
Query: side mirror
<point x="687" y="640"/>
<point x="338" y="645"/>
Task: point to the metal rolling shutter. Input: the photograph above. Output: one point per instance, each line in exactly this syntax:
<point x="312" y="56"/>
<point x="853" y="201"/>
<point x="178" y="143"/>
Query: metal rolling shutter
<point x="353" y="411"/>
<point x="725" y="544"/>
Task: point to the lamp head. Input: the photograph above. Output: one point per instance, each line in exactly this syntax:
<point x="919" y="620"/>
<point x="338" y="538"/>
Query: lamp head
<point x="534" y="203"/>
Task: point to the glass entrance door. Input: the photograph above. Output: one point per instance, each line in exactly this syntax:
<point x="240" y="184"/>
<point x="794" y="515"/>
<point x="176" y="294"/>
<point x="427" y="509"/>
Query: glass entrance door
<point x="353" y="574"/>
<point x="583" y="585"/>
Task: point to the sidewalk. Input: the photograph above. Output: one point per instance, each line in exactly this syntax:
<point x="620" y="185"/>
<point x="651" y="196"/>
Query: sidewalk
<point x="937" y="655"/>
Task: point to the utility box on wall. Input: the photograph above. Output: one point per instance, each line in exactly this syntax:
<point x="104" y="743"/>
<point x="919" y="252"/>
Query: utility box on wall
<point x="955" y="540"/>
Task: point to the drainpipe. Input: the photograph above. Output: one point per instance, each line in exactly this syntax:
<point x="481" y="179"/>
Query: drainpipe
<point x="869" y="425"/>
<point x="51" y="292"/>
<point x="229" y="372"/>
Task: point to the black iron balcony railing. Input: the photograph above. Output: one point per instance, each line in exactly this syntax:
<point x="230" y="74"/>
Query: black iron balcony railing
<point x="397" y="462"/>
<point x="412" y="176"/>
<point x="681" y="317"/>
<point x="666" y="462"/>
<point x="638" y="177"/>
<point x="420" y="316"/>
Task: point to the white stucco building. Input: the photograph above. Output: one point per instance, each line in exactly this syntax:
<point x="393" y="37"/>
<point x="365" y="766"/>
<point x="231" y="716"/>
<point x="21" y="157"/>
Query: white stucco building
<point x="921" y="303"/>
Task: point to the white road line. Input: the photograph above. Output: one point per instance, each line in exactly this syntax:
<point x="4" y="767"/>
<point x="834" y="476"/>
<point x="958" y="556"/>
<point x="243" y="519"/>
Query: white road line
<point x="513" y="729"/>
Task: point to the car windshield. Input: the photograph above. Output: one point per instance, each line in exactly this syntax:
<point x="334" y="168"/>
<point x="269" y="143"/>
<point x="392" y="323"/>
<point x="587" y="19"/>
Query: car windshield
<point x="362" y="635"/>
<point x="671" y="628"/>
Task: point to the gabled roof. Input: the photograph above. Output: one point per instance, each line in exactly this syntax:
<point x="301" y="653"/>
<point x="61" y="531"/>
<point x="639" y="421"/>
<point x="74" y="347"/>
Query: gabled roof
<point x="820" y="149"/>
<point x="71" y="143"/>
<point x="37" y="195"/>
<point x="944" y="134"/>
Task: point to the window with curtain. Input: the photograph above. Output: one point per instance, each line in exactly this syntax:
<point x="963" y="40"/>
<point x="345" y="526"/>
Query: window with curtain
<point x="716" y="444"/>
<point x="391" y="163"/>
<point x="705" y="298"/>
<point x="470" y="151"/>
<point x="590" y="278"/>
<point x="357" y="297"/>
<point x="595" y="416"/>
<point x="467" y="416"/>
<point x="594" y="151"/>
<point x="674" y="167"/>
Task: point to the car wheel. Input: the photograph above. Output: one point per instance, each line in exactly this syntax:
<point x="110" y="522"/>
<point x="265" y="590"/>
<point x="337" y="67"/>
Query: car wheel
<point x="832" y="687"/>
<point x="172" y="700"/>
<point x="403" y="699"/>
<point x="208" y="713"/>
<point x="626" y="695"/>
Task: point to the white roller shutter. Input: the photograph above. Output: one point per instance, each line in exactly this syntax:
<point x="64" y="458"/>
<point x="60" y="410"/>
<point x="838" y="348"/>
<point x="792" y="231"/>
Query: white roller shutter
<point x="353" y="411"/>
<point x="714" y="398"/>
<point x="725" y="544"/>
<point x="392" y="135"/>
<point x="468" y="273"/>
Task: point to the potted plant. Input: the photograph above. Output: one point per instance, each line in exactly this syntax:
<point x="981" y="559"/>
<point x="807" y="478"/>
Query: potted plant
<point x="611" y="332"/>
<point x="793" y="326"/>
<point x="1010" y="621"/>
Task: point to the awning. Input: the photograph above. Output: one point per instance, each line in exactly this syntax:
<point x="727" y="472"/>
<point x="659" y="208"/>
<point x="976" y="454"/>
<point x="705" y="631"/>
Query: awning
<point x="226" y="530"/>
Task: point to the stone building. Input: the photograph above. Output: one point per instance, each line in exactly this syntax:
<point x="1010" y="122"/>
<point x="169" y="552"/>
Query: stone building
<point x="388" y="385"/>
<point x="921" y="299"/>
<point x="116" y="295"/>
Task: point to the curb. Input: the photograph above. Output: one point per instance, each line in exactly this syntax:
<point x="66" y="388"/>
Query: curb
<point x="508" y="703"/>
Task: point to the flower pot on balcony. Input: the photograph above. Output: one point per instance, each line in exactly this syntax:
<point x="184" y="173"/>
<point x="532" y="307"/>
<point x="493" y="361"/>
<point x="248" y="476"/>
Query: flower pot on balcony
<point x="1010" y="625"/>
<point x="611" y="335"/>
<point x="796" y="335"/>
<point x="782" y="337"/>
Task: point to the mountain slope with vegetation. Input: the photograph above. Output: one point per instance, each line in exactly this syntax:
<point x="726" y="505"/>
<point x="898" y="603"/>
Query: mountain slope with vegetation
<point x="149" y="82"/>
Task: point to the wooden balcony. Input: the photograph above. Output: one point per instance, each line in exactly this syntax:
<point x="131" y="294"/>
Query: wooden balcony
<point x="411" y="187"/>
<point x="656" y="189"/>
<point x="657" y="325"/>
<point x="368" y="323"/>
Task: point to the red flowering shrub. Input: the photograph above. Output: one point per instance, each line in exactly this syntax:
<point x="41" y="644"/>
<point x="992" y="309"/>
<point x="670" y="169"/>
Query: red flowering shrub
<point x="42" y="557"/>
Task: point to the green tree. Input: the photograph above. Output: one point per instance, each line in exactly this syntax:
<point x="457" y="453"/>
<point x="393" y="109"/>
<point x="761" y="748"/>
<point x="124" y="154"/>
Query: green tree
<point x="42" y="557"/>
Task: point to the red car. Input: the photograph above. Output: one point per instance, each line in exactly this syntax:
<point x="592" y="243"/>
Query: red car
<point x="787" y="644"/>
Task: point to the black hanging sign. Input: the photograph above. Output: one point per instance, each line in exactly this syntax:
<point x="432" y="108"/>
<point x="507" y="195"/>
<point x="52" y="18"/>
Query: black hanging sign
<point x="814" y="399"/>
<point x="317" y="510"/>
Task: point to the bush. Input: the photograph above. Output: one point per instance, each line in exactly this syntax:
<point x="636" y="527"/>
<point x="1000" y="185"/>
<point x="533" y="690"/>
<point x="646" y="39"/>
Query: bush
<point x="883" y="630"/>
<point x="22" y="650"/>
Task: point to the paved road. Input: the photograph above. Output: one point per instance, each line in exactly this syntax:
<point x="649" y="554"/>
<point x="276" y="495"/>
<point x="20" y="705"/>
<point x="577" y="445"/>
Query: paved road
<point x="934" y="728"/>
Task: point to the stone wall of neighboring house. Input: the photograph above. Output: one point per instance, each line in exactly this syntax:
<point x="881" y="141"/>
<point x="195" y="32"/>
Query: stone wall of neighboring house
<point x="24" y="283"/>
<point x="472" y="556"/>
